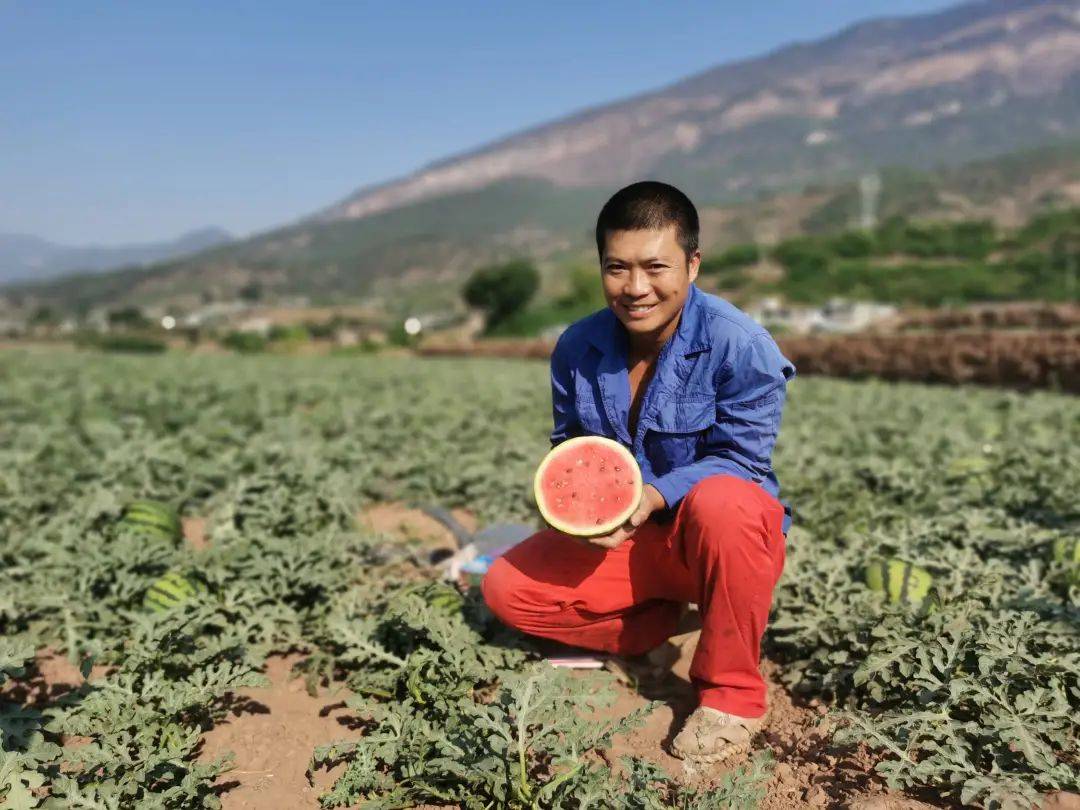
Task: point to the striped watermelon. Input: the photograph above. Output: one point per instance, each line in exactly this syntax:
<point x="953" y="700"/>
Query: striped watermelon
<point x="899" y="580"/>
<point x="440" y="596"/>
<point x="153" y="518"/>
<point x="171" y="590"/>
<point x="1067" y="552"/>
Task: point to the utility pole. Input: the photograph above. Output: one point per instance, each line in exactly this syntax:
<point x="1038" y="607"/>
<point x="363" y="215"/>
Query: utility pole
<point x="1070" y="267"/>
<point x="870" y="192"/>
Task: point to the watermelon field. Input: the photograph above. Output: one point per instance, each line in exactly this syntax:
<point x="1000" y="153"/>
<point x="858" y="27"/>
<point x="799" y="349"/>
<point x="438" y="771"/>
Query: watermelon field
<point x="972" y="699"/>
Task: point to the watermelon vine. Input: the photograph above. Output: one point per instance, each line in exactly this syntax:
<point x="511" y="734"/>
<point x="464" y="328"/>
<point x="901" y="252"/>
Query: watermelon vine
<point x="976" y="699"/>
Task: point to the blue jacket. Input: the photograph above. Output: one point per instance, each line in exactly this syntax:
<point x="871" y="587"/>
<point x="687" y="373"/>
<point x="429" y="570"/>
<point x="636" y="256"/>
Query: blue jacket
<point x="713" y="406"/>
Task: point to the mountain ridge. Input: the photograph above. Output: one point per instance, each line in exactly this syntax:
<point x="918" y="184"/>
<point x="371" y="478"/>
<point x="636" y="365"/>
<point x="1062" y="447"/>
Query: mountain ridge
<point x="775" y="149"/>
<point x="1030" y="50"/>
<point x="419" y="254"/>
<point x="25" y="257"/>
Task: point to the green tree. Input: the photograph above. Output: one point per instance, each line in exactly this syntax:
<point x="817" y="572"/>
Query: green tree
<point x="502" y="290"/>
<point x="852" y="244"/>
<point x="736" y="256"/>
<point x="585" y="290"/>
<point x="128" y="318"/>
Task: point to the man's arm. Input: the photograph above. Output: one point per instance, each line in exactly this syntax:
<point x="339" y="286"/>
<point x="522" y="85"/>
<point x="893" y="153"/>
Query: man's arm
<point x="749" y="403"/>
<point x="564" y="415"/>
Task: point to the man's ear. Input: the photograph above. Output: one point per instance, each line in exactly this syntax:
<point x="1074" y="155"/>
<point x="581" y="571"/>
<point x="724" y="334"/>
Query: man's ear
<point x="693" y="265"/>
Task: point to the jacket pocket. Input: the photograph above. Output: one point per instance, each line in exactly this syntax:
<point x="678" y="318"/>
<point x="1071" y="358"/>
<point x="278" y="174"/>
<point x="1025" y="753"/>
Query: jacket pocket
<point x="673" y="439"/>
<point x="687" y="414"/>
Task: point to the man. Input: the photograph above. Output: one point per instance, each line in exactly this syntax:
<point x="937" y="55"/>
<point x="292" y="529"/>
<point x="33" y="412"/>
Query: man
<point x="695" y="388"/>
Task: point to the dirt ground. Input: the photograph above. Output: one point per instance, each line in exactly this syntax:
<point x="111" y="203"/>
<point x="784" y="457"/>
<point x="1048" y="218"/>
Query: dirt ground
<point x="274" y="738"/>
<point x="274" y="734"/>
<point x="401" y="522"/>
<point x="274" y="730"/>
<point x="273" y="744"/>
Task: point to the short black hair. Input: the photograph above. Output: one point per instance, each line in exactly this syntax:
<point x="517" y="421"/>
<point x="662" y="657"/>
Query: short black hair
<point x="649" y="205"/>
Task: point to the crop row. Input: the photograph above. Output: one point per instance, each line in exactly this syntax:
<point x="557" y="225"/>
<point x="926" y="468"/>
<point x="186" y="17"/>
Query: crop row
<point x="976" y="700"/>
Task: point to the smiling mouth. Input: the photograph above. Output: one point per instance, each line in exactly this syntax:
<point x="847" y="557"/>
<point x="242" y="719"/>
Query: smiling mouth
<point x="639" y="310"/>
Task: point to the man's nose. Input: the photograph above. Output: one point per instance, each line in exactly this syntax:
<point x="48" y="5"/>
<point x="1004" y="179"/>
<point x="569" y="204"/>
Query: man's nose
<point x="637" y="284"/>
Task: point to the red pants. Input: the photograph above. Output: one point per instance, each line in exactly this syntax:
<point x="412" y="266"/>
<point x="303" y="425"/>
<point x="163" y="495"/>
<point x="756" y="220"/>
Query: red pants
<point x="724" y="550"/>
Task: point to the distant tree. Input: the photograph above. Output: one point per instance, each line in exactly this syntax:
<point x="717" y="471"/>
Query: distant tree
<point x="251" y="292"/>
<point x="292" y="333"/>
<point x="502" y="290"/>
<point x="128" y="343"/>
<point x="43" y="316"/>
<point x="128" y="317"/>
<point x="584" y="289"/>
<point x="803" y="257"/>
<point x="244" y="342"/>
<point x="973" y="240"/>
<point x="852" y="245"/>
<point x="734" y="257"/>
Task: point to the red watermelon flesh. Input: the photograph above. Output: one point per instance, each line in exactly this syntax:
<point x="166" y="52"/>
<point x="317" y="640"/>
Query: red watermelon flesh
<point x="588" y="486"/>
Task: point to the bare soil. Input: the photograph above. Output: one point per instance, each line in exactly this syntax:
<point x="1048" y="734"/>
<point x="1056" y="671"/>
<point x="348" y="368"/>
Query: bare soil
<point x="273" y="731"/>
<point x="195" y="533"/>
<point x="396" y="518"/>
<point x="1003" y="357"/>
<point x="273" y="734"/>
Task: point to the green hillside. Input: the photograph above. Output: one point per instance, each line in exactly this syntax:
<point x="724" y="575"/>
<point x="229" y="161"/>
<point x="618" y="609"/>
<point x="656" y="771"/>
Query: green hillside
<point x="913" y="263"/>
<point x="419" y="255"/>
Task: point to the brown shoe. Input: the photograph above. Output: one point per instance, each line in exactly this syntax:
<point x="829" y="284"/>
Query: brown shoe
<point x="710" y="736"/>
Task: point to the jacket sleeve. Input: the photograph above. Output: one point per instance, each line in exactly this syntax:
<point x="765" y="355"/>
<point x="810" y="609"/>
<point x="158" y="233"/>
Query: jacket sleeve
<point x="750" y="397"/>
<point x="564" y="415"/>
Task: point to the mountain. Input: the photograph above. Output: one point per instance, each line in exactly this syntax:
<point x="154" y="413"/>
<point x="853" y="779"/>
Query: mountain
<point x="976" y="109"/>
<point x="28" y="258"/>
<point x="416" y="257"/>
<point x="972" y="81"/>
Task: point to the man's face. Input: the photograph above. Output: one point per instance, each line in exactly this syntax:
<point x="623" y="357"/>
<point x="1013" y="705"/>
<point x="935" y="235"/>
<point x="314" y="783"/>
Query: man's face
<point x="646" y="279"/>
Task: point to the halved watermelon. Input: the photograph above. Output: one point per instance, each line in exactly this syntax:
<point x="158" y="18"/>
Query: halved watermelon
<point x="587" y="486"/>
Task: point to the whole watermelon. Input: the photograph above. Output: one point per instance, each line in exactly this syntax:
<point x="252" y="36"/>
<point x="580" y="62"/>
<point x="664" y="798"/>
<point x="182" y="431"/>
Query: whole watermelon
<point x="899" y="580"/>
<point x="171" y="590"/>
<point x="154" y="518"/>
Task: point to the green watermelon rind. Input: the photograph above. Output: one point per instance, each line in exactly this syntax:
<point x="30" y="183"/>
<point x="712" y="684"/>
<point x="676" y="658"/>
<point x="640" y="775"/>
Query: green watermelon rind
<point x="171" y="590"/>
<point x="900" y="580"/>
<point x="603" y="528"/>
<point x="153" y="517"/>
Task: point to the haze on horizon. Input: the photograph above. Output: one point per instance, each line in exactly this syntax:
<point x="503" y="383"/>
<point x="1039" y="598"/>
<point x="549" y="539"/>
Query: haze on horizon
<point x="127" y="123"/>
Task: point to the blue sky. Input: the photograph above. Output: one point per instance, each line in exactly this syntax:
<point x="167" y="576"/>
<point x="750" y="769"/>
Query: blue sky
<point x="128" y="121"/>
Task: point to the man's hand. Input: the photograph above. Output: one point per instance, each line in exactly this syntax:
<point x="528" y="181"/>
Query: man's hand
<point x="651" y="500"/>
